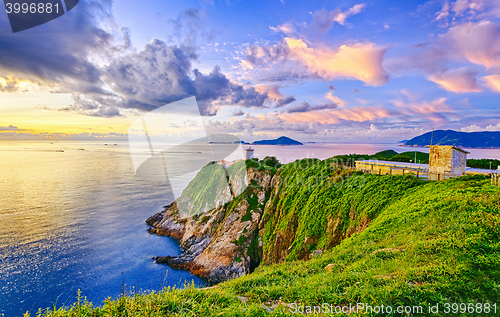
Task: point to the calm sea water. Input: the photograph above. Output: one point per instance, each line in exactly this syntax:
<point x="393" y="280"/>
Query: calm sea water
<point x="75" y="220"/>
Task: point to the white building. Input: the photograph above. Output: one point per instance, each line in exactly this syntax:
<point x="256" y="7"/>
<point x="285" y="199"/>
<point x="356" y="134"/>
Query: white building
<point x="249" y="153"/>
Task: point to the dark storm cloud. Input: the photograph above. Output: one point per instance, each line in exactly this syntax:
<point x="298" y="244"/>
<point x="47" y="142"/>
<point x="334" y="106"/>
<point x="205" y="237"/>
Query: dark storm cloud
<point x="74" y="54"/>
<point x="57" y="51"/>
<point x="161" y="74"/>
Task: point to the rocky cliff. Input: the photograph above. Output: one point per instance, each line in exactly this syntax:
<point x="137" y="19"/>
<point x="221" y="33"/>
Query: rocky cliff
<point x="220" y="243"/>
<point x="270" y="216"/>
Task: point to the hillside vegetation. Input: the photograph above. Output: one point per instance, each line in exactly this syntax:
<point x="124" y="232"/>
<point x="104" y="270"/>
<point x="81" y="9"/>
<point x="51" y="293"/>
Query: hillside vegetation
<point x="315" y="205"/>
<point x="332" y="236"/>
<point x="483" y="163"/>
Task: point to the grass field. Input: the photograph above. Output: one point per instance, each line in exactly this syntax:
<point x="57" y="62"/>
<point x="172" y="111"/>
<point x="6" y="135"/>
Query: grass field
<point x="428" y="244"/>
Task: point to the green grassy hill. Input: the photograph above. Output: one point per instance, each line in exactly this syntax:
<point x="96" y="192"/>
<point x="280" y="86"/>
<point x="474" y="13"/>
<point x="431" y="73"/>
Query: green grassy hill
<point x="316" y="206"/>
<point x="439" y="243"/>
<point x="391" y="240"/>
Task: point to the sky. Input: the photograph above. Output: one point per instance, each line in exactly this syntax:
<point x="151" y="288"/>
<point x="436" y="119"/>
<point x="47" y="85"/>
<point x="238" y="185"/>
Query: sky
<point x="316" y="71"/>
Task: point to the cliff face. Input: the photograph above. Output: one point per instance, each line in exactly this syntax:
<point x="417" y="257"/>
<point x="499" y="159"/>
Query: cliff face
<point x="314" y="206"/>
<point x="304" y="208"/>
<point x="221" y="243"/>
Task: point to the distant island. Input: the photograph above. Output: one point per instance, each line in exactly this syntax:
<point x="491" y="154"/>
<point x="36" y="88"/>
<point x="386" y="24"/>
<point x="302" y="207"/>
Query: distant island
<point x="283" y="140"/>
<point x="471" y="140"/>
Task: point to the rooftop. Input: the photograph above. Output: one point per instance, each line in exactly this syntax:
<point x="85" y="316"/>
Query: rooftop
<point x="453" y="147"/>
<point x="395" y="164"/>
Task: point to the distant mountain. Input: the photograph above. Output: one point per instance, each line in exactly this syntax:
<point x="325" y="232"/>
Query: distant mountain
<point x="279" y="141"/>
<point x="487" y="139"/>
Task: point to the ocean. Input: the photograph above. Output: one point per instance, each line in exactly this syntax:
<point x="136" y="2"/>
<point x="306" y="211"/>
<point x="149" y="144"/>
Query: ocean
<point x="72" y="217"/>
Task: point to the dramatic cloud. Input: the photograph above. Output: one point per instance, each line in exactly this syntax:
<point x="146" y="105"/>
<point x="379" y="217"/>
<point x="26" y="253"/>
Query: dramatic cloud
<point x="358" y="61"/>
<point x="58" y="51"/>
<point x="161" y="74"/>
<point x="492" y="82"/>
<point x="105" y="74"/>
<point x="306" y="107"/>
<point x="460" y="80"/>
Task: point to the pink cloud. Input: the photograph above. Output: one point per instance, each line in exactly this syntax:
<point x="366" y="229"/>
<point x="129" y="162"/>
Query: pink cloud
<point x="341" y="17"/>
<point x="335" y="99"/>
<point x="424" y="107"/>
<point x="335" y="116"/>
<point x="437" y="111"/>
<point x="359" y="61"/>
<point x="286" y="28"/>
<point x="477" y="42"/>
<point x="460" y="80"/>
<point x="476" y="8"/>
<point x="272" y="91"/>
<point x="492" y="82"/>
<point x="444" y="13"/>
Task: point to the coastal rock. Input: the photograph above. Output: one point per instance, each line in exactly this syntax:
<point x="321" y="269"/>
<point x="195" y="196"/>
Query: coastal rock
<point x="222" y="243"/>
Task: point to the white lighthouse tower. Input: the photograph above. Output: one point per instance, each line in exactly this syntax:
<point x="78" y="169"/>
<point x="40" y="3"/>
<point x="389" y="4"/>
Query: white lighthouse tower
<point x="249" y="153"/>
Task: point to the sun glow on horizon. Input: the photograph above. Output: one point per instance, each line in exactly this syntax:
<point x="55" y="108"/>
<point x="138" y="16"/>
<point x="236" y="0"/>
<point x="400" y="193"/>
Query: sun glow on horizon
<point x="39" y="112"/>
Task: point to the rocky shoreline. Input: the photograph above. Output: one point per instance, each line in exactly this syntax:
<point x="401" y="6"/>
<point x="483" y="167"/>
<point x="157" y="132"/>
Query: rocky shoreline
<point x="222" y="243"/>
<point x="242" y="231"/>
